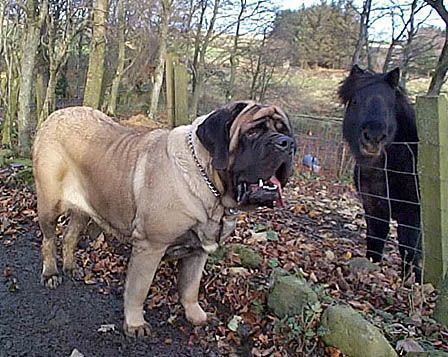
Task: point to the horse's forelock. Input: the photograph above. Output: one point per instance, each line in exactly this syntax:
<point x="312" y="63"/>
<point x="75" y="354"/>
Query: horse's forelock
<point x="355" y="83"/>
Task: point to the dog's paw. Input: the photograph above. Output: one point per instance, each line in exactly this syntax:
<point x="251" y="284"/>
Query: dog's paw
<point x="137" y="331"/>
<point x="195" y="314"/>
<point x="73" y="272"/>
<point x="52" y="281"/>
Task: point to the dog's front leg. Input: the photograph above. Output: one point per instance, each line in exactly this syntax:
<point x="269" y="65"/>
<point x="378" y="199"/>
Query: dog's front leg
<point x="143" y="264"/>
<point x="190" y="273"/>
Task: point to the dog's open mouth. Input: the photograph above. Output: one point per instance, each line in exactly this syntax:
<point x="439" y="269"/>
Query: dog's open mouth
<point x="264" y="192"/>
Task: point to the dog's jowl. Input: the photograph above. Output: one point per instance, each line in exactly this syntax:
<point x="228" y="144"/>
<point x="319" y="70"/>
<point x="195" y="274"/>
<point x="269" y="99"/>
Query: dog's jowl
<point x="169" y="193"/>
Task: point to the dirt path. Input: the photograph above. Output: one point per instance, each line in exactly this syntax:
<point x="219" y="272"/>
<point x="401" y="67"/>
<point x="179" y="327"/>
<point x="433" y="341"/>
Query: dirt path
<point x="35" y="321"/>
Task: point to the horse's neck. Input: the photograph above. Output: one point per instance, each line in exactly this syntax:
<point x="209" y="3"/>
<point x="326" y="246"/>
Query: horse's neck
<point x="406" y="128"/>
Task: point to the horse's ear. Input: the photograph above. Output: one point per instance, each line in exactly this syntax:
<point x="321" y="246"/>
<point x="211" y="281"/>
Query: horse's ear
<point x="356" y="70"/>
<point x="213" y="133"/>
<point x="393" y="77"/>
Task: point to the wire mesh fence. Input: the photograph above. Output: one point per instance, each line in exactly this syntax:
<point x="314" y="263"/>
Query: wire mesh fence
<point x="392" y="203"/>
<point x="321" y="147"/>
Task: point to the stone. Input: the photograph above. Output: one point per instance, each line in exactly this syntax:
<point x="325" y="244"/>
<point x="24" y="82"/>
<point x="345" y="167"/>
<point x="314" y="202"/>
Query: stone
<point x="362" y="264"/>
<point x="427" y="354"/>
<point x="249" y="258"/>
<point x="353" y="335"/>
<point x="76" y="353"/>
<point x="290" y="295"/>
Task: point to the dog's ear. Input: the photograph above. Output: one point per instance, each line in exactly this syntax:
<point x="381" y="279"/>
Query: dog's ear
<point x="214" y="133"/>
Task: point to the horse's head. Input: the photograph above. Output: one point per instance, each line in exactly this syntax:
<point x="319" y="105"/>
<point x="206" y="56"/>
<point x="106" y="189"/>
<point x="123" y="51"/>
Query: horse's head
<point x="370" y="121"/>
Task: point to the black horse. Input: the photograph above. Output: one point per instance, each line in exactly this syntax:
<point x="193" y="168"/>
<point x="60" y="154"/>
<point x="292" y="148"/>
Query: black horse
<point x="379" y="126"/>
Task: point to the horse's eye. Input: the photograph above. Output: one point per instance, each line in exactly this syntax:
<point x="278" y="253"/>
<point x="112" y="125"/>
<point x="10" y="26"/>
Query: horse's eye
<point x="353" y="101"/>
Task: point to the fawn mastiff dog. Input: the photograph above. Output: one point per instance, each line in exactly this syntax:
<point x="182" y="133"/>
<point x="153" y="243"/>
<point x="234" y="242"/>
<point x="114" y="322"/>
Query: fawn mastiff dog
<point x="170" y="193"/>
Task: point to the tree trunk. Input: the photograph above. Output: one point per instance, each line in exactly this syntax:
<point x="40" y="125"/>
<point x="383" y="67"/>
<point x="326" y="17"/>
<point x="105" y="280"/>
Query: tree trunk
<point x="255" y="83"/>
<point x="234" y="53"/>
<point x="29" y="52"/>
<point x="389" y="54"/>
<point x="112" y="106"/>
<point x="49" y="102"/>
<point x="11" y="110"/>
<point x="255" y="75"/>
<point x="438" y="78"/>
<point x="161" y="54"/>
<point x="197" y="44"/>
<point x="362" y="35"/>
<point x="95" y="72"/>
<point x="40" y="91"/>
<point x="79" y="55"/>
<point x="199" y="78"/>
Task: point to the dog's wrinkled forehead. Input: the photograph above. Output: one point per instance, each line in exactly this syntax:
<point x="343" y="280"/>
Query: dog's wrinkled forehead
<point x="254" y="114"/>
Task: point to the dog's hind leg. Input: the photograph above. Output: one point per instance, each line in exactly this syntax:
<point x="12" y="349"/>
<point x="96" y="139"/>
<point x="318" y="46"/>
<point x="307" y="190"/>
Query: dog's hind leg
<point x="48" y="173"/>
<point x="78" y="222"/>
<point x="190" y="273"/>
<point x="48" y="215"/>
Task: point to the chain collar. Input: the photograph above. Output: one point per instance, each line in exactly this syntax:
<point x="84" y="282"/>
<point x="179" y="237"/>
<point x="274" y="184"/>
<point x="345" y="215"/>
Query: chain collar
<point x="209" y="182"/>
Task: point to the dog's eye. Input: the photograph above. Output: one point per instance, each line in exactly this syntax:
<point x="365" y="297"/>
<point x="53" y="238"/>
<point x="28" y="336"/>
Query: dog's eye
<point x="279" y="126"/>
<point x="253" y="132"/>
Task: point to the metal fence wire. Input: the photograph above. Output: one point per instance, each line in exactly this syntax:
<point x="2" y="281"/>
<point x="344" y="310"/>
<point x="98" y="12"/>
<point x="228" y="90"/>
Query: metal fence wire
<point x="321" y="138"/>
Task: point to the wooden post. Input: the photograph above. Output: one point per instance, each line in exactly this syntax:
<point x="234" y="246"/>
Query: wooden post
<point x="169" y="79"/>
<point x="432" y="125"/>
<point x="176" y="92"/>
<point x="181" y="94"/>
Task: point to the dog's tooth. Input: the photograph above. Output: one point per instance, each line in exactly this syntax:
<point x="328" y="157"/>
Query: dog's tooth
<point x="260" y="183"/>
<point x="239" y="192"/>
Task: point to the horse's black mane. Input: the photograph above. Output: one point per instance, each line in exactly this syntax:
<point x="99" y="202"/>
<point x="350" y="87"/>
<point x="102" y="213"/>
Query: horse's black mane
<point x="405" y="113"/>
<point x="355" y="83"/>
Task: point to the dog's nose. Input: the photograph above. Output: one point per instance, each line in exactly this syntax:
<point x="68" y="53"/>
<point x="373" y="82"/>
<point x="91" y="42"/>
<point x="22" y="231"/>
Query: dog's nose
<point x="284" y="143"/>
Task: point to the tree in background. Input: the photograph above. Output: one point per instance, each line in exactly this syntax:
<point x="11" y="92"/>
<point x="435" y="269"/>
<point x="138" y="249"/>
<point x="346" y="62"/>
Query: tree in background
<point x="161" y="55"/>
<point x="58" y="42"/>
<point x="95" y="72"/>
<point x="234" y="48"/>
<point x="406" y="42"/>
<point x="201" y="44"/>
<point x="363" y="33"/>
<point x="10" y="36"/>
<point x="439" y="76"/>
<point x="36" y="14"/>
<point x="319" y="35"/>
<point x="121" y="60"/>
<point x="233" y="58"/>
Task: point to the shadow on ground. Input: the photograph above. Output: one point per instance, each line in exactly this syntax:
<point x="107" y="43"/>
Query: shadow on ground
<point x="35" y="321"/>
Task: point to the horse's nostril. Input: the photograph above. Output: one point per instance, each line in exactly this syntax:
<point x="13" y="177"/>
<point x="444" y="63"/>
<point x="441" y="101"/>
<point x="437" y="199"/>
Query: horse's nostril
<point x="366" y="136"/>
<point x="383" y="137"/>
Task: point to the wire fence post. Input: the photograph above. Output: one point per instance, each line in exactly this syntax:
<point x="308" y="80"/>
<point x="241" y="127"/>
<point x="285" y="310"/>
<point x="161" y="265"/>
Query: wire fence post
<point x="432" y="125"/>
<point x="176" y="92"/>
<point x="181" y="94"/>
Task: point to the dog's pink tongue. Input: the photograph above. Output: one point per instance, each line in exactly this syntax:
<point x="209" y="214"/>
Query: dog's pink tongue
<point x="275" y="181"/>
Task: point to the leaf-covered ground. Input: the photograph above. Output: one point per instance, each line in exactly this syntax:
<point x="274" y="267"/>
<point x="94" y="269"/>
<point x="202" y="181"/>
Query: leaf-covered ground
<point x="315" y="236"/>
